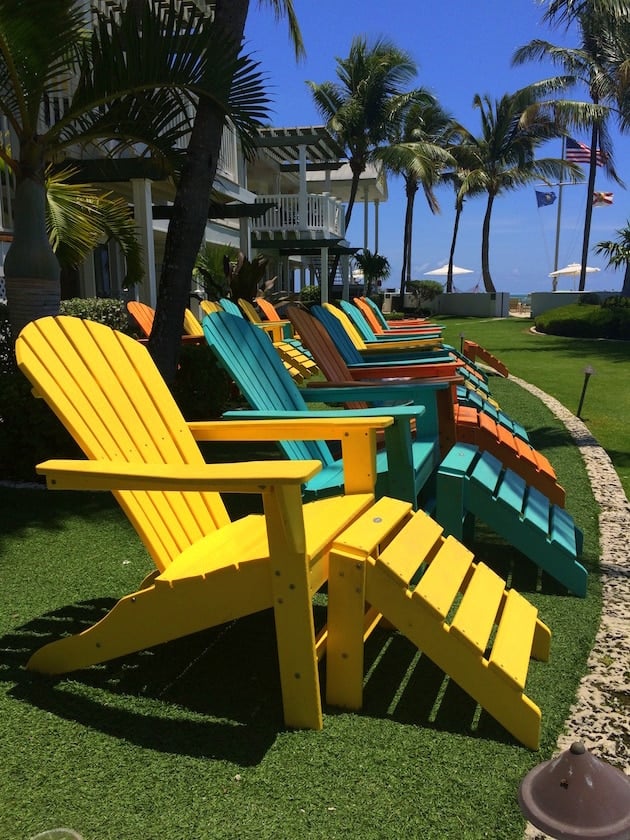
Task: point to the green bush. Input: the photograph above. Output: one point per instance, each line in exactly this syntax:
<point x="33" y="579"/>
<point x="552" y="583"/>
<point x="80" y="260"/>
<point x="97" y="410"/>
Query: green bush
<point x="112" y="313"/>
<point x="310" y="295"/>
<point x="201" y="389"/>
<point x="616" y="302"/>
<point x="29" y="431"/>
<point x="585" y="320"/>
<point x="7" y="352"/>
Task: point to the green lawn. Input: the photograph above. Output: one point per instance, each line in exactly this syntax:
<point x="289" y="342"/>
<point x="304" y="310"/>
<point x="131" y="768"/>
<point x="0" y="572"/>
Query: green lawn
<point x="186" y="742"/>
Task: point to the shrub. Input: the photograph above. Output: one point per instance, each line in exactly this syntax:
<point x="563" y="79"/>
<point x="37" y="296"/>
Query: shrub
<point x="591" y="298"/>
<point x="112" y="313"/>
<point x="7" y="352"/>
<point x="201" y="389"/>
<point x="29" y="431"/>
<point x="310" y="295"/>
<point x="584" y="320"/>
<point x="616" y="302"/>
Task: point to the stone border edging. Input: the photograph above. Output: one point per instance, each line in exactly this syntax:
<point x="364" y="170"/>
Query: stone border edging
<point x="600" y="715"/>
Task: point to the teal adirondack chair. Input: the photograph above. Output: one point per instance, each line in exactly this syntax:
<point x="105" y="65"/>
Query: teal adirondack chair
<point x="367" y="333"/>
<point x="405" y="466"/>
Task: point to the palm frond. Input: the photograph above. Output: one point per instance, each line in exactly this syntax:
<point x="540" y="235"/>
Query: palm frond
<point x="80" y="216"/>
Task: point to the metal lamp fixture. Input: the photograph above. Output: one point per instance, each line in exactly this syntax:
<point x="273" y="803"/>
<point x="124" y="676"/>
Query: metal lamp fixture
<point x="577" y="796"/>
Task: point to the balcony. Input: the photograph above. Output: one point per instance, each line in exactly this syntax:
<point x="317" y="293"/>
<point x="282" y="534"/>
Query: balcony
<point x="322" y="217"/>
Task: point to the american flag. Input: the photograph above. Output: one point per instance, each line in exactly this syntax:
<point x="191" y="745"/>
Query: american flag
<point x="602" y="199"/>
<point x="579" y="153"/>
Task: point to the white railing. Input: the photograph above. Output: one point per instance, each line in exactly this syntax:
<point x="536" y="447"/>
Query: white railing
<point x="324" y="215"/>
<point x="227" y="165"/>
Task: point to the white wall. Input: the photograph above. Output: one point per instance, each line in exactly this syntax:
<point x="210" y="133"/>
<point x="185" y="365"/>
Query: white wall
<point x="475" y="304"/>
<point x="544" y="301"/>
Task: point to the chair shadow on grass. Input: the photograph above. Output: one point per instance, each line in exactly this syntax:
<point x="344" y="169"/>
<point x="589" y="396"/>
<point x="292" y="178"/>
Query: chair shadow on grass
<point x="216" y="694"/>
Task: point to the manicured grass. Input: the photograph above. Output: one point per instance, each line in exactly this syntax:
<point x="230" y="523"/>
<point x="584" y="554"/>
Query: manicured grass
<point x="556" y="365"/>
<point x="186" y="741"/>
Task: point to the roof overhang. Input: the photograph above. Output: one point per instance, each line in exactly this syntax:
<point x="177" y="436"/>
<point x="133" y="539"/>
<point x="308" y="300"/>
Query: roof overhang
<point x="283" y="145"/>
<point x="219" y="210"/>
<point x="304" y="247"/>
<point x="111" y="170"/>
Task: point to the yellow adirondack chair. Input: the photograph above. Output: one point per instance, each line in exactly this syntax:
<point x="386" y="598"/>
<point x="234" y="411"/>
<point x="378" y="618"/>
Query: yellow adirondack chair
<point x="289" y="344"/>
<point x="108" y="393"/>
<point x="378" y="558"/>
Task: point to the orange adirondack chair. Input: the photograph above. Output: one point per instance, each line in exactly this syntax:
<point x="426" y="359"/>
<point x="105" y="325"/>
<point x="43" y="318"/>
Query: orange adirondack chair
<point x="144" y="315"/>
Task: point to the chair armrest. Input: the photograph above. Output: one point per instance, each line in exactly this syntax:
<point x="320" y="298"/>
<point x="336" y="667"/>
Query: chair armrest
<point x="246" y="477"/>
<point x="404" y="344"/>
<point x="412" y="389"/>
<point x="357" y="435"/>
<point x="342" y="428"/>
<point x="274" y="330"/>
<point x="290" y="425"/>
<point x="402" y="371"/>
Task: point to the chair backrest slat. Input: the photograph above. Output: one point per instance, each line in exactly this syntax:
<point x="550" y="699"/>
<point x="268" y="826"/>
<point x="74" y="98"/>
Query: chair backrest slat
<point x="248" y="356"/>
<point x="339" y="336"/>
<point x="106" y="390"/>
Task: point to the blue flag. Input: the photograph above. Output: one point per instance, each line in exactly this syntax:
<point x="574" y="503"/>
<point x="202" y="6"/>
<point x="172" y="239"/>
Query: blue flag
<point x="543" y="199"/>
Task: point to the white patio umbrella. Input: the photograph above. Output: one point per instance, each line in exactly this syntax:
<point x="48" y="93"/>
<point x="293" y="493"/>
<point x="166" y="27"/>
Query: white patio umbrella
<point x="572" y="270"/>
<point x="443" y="271"/>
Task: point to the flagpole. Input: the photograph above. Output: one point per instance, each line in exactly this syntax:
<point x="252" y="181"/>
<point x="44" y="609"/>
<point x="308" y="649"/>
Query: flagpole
<point x="559" y="214"/>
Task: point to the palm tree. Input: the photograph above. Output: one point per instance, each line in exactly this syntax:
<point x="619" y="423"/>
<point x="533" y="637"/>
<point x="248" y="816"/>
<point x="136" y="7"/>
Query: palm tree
<point x="131" y="83"/>
<point x="364" y="107"/>
<point x="512" y="129"/>
<point x="374" y="266"/>
<point x="589" y="66"/>
<point x="466" y="179"/>
<point x="418" y="153"/>
<point x="618" y="253"/>
<point x="566" y="11"/>
<point x="187" y="226"/>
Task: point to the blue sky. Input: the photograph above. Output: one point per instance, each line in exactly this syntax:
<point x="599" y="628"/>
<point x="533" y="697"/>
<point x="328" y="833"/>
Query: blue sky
<point x="461" y="48"/>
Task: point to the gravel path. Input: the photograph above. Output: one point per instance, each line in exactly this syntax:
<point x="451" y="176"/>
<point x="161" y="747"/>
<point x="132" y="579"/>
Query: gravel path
<point x="600" y="716"/>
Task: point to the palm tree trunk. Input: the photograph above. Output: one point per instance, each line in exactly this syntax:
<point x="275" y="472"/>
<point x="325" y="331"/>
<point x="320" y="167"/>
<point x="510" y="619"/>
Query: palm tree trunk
<point x="190" y="210"/>
<point x="485" y="247"/>
<point x="451" y="256"/>
<point x="354" y="186"/>
<point x="589" y="204"/>
<point x="411" y="190"/>
<point x="625" y="289"/>
<point x="404" y="274"/>
<point x="32" y="272"/>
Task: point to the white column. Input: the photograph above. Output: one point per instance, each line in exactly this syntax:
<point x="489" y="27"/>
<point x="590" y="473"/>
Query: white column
<point x="303" y="195"/>
<point x="143" y="215"/>
<point x="366" y="214"/>
<point x="344" y="262"/>
<point x="376" y="207"/>
<point x="245" y="237"/>
<point x="323" y="279"/>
